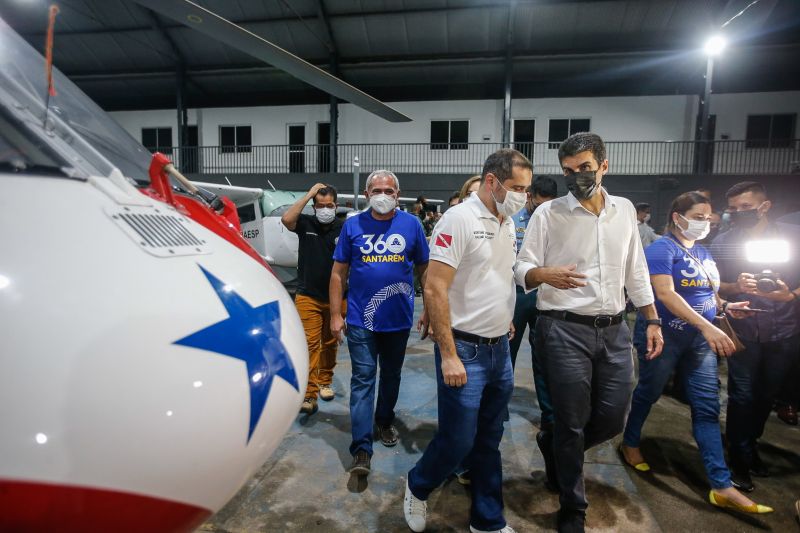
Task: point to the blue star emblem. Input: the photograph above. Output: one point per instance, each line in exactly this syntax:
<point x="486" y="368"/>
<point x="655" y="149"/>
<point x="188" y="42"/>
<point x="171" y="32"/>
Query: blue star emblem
<point x="253" y="335"/>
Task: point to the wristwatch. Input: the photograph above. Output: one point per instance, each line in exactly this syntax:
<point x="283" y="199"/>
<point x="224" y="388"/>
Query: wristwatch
<point x="653" y="322"/>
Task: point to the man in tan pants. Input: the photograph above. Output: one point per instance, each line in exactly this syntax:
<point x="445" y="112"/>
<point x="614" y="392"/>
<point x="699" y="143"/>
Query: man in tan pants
<point x="318" y="235"/>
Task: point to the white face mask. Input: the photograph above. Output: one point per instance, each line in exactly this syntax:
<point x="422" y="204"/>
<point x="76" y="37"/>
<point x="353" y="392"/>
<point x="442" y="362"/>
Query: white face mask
<point x="697" y="229"/>
<point x="325" y="215"/>
<point x="382" y="203"/>
<point x="646" y="218"/>
<point x="512" y="204"/>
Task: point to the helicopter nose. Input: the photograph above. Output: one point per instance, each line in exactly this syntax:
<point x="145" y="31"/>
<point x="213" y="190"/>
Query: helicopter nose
<point x="269" y="338"/>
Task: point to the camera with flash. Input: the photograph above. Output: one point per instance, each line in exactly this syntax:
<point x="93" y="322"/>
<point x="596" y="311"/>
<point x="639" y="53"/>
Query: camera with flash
<point x="767" y="252"/>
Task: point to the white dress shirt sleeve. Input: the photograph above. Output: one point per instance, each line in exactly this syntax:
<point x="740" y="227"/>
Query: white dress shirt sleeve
<point x="637" y="276"/>
<point x="531" y="253"/>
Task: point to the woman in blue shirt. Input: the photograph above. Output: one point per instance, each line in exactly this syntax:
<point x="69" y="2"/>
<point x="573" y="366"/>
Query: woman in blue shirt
<point x="685" y="281"/>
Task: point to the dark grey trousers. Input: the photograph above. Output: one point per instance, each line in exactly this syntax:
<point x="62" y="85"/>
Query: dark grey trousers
<point x="590" y="374"/>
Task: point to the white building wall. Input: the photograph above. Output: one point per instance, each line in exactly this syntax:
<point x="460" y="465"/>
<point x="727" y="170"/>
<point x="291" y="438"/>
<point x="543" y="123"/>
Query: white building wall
<point x="639" y="118"/>
<point x="642" y="118"/>
<point x="269" y="123"/>
<point x="732" y="110"/>
<point x="359" y="126"/>
<point x="616" y="119"/>
<point x="134" y="121"/>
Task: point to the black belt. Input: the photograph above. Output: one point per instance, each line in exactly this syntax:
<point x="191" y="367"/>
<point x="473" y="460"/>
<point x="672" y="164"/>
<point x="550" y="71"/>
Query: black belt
<point x="598" y="321"/>
<point x="475" y="339"/>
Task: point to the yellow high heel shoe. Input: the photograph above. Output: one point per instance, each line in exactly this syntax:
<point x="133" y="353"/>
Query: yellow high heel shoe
<point x="723" y="502"/>
<point x="641" y="467"/>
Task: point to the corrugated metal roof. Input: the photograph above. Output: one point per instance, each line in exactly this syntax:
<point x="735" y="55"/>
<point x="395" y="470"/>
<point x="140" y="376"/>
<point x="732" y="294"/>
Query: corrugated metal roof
<point x="438" y="47"/>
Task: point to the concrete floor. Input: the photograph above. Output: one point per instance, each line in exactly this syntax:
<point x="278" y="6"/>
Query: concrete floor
<point x="304" y="486"/>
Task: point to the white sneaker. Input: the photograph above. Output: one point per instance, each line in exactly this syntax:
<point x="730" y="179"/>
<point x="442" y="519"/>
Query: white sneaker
<point x="326" y="393"/>
<point x="415" y="511"/>
<point x="507" y="529"/>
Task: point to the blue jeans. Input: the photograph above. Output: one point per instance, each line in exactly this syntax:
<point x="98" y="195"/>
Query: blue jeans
<point x="690" y="354"/>
<point x="471" y="423"/>
<point x="367" y="349"/>
<point x="525" y="314"/>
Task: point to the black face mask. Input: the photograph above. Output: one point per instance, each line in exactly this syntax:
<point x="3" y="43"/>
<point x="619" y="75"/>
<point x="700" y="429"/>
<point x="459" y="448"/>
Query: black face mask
<point x="582" y="185"/>
<point x="744" y="219"/>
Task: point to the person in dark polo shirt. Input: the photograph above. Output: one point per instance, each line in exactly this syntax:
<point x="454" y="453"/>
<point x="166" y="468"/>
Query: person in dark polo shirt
<point x="318" y="235"/>
<point x="771" y="337"/>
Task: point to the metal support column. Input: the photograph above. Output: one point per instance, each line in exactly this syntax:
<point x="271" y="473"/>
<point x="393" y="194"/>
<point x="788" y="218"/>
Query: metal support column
<point x="702" y="160"/>
<point x="509" y="67"/>
<point x="334" y="120"/>
<point x="180" y="97"/>
<point x="356" y="170"/>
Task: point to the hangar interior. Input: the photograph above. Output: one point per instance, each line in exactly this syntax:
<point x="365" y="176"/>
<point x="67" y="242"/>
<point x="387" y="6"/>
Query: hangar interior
<point x="472" y="76"/>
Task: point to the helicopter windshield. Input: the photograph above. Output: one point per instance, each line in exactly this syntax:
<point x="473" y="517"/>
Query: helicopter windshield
<point x="92" y="142"/>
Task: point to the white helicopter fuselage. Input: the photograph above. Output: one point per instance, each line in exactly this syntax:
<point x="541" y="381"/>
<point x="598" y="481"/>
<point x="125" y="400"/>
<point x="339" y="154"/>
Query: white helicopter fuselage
<point x="132" y="366"/>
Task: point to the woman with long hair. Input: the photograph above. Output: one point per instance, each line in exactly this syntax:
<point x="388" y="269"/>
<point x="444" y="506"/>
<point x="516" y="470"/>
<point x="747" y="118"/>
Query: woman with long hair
<point x="685" y="281"/>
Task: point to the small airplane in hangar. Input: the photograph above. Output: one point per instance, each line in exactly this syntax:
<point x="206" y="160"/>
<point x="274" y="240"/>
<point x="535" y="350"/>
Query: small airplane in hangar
<point x="260" y="212"/>
<point x="151" y="362"/>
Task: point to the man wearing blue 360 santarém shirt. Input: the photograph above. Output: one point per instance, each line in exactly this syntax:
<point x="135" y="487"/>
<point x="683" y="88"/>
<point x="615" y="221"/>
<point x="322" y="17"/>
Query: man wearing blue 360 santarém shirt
<point x="378" y="249"/>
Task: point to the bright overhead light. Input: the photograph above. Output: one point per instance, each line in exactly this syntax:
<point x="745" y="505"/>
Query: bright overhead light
<point x="715" y="45"/>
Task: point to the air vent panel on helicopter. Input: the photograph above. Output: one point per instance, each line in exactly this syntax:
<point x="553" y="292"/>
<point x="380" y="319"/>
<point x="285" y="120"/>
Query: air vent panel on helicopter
<point x="158" y="233"/>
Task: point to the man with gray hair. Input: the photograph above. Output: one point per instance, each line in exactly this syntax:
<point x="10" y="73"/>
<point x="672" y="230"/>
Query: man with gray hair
<point x="375" y="257"/>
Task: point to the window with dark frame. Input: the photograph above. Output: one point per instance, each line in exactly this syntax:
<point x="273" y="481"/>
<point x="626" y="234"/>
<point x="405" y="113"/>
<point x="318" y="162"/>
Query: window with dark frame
<point x="157" y="139"/>
<point x="247" y="213"/>
<point x="561" y="128"/>
<point x="449" y="134"/>
<point x="770" y="131"/>
<point x="235" y="139"/>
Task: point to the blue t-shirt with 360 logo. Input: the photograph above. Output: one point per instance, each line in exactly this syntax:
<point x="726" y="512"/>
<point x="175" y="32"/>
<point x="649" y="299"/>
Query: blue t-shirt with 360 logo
<point x="665" y="256"/>
<point x="381" y="255"/>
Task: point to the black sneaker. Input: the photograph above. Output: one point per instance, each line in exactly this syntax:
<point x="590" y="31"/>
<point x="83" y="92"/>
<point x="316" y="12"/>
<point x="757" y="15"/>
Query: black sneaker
<point x="360" y="466"/>
<point x="388" y="435"/>
<point x="742" y="481"/>
<point x="740" y="472"/>
<point x="544" y="439"/>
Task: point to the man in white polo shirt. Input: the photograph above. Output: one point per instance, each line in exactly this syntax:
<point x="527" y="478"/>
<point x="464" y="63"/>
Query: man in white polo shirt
<point x="582" y="250"/>
<point x="469" y="299"/>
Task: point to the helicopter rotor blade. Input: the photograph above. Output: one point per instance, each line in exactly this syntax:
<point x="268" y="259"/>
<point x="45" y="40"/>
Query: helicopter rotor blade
<point x="223" y="30"/>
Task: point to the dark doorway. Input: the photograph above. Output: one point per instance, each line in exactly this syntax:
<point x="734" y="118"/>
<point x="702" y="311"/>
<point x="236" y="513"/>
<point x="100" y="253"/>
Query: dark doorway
<point x="524" y="130"/>
<point x="324" y="147"/>
<point x="297" y="148"/>
<point x="190" y="156"/>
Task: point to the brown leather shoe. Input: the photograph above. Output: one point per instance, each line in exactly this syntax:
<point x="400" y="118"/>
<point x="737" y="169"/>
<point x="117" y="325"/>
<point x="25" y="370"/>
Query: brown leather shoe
<point x="361" y="463"/>
<point x="788" y="413"/>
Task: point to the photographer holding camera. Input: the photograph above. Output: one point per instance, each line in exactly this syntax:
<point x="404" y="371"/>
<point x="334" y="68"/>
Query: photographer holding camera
<point x="770" y="335"/>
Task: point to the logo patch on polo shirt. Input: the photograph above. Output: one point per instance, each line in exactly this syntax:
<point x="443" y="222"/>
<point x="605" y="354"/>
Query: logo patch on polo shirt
<point x="444" y="240"/>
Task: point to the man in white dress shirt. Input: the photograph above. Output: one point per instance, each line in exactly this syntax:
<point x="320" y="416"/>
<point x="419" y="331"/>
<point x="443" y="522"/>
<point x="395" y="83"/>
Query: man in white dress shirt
<point x="581" y="250"/>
